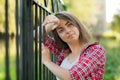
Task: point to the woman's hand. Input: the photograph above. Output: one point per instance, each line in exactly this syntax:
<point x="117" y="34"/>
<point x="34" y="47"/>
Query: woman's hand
<point x="50" y="23"/>
<point x="60" y="72"/>
<point x="45" y="54"/>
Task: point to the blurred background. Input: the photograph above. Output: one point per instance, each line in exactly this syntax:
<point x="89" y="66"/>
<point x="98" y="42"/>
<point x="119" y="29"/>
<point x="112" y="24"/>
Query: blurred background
<point x="102" y="17"/>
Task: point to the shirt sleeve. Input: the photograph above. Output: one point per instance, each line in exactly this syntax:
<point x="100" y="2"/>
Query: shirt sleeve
<point x="94" y="58"/>
<point x="50" y="43"/>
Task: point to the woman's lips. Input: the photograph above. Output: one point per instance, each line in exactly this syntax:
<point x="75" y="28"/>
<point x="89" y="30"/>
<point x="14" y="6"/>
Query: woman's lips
<point x="70" y="35"/>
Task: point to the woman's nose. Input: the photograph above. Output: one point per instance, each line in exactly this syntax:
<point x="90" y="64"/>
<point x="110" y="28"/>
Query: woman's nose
<point x="68" y="30"/>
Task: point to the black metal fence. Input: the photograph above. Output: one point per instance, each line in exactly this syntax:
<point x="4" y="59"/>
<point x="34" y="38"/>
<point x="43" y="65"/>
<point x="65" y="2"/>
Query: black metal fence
<point x="29" y="14"/>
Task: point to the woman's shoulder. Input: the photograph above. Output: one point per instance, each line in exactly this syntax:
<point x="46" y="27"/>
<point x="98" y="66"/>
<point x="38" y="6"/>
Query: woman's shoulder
<point x="94" y="45"/>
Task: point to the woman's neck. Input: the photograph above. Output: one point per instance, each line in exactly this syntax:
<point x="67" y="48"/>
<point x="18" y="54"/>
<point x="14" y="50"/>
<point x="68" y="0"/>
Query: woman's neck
<point x="75" y="47"/>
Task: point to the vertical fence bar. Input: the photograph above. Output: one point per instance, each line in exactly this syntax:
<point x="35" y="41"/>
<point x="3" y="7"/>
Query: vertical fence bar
<point x="7" y="42"/>
<point x="56" y="7"/>
<point x="44" y="35"/>
<point x="53" y="10"/>
<point x="17" y="40"/>
<point x="36" y="40"/>
<point x="22" y="40"/>
<point x="26" y="68"/>
<point x="52" y="4"/>
<point x="26" y="42"/>
<point x="43" y="42"/>
<point x="43" y="12"/>
<point x="46" y="3"/>
<point x="30" y="46"/>
<point x="40" y="35"/>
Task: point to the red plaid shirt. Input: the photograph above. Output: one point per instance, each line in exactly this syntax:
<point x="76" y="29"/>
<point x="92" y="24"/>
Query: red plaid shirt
<point x="91" y="61"/>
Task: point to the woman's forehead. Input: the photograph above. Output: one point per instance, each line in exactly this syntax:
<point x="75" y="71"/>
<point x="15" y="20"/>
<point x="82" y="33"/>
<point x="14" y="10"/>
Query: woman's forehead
<point x="63" y="22"/>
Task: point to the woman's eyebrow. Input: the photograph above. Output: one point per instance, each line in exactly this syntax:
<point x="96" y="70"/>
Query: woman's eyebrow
<point x="66" y="22"/>
<point x="61" y="27"/>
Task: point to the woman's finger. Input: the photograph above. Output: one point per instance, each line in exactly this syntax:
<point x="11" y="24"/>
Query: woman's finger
<point x="50" y="19"/>
<point x="44" y="23"/>
<point x="43" y="46"/>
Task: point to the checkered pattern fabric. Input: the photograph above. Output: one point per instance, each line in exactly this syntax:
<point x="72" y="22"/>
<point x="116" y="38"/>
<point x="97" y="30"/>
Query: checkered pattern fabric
<point x="91" y="62"/>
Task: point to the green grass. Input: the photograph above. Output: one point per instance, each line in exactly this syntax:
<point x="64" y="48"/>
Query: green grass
<point x="11" y="68"/>
<point x="2" y="72"/>
<point x="112" y="69"/>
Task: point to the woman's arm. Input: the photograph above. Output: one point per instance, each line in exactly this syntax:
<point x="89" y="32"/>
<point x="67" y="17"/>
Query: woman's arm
<point x="50" y="43"/>
<point x="60" y="72"/>
<point x="50" y="23"/>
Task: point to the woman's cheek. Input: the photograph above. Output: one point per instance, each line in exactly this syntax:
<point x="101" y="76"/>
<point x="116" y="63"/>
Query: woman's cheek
<point x="63" y="37"/>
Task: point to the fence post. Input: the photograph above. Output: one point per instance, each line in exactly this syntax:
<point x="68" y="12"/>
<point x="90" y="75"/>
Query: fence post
<point x="17" y="38"/>
<point x="26" y="40"/>
<point x="7" y="42"/>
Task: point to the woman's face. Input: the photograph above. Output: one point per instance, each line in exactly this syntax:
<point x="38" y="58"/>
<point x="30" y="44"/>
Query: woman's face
<point x="67" y="31"/>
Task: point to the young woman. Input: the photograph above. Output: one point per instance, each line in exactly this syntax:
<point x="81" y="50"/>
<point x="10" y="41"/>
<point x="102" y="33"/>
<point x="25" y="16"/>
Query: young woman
<point x="77" y="58"/>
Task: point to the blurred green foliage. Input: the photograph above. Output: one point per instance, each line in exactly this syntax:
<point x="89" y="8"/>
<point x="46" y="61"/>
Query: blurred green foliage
<point x="112" y="69"/>
<point x="84" y="10"/>
<point x="12" y="67"/>
<point x="115" y="24"/>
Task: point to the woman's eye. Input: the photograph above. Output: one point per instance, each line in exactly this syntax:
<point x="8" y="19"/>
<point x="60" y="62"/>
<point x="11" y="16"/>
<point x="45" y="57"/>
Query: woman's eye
<point x="70" y="24"/>
<point x="60" y="31"/>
